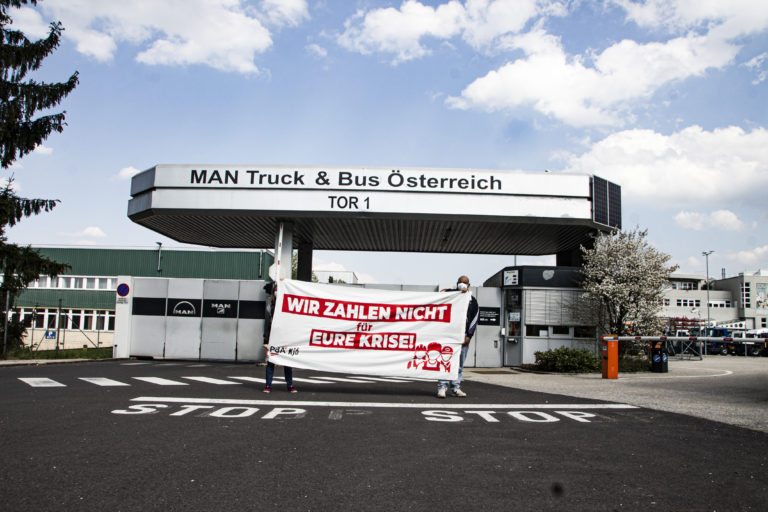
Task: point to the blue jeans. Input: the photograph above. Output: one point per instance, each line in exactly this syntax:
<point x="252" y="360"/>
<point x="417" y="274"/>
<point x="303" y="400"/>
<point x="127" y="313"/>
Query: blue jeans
<point x="455" y="383"/>
<point x="287" y="370"/>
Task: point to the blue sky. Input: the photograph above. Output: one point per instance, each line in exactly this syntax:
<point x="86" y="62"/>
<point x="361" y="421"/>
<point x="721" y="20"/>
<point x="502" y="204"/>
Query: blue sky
<point x="669" y="99"/>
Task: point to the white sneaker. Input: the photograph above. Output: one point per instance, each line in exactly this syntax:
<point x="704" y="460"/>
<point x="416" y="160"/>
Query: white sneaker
<point x="459" y="393"/>
<point x="440" y="392"/>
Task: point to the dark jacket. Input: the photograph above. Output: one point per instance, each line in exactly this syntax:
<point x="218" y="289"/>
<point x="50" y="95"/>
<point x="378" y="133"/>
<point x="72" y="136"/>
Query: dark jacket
<point x="473" y="313"/>
<point x="268" y="320"/>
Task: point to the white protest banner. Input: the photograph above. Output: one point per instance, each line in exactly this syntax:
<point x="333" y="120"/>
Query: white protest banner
<point x="367" y="331"/>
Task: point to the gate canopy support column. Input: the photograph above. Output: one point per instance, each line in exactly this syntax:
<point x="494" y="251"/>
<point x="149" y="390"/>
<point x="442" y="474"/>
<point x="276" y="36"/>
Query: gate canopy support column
<point x="304" y="270"/>
<point x="285" y="253"/>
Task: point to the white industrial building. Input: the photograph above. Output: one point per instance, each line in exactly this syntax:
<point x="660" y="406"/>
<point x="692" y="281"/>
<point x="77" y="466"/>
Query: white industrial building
<point x="739" y="302"/>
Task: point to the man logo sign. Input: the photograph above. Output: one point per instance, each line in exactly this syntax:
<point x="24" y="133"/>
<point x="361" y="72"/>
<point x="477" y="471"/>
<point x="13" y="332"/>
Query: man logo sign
<point x="184" y="308"/>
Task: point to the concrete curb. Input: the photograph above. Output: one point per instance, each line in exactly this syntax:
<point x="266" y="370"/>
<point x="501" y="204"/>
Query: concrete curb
<point x="39" y="362"/>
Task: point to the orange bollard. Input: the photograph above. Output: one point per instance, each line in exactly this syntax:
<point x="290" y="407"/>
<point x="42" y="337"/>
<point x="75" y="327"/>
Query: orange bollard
<point x="610" y="359"/>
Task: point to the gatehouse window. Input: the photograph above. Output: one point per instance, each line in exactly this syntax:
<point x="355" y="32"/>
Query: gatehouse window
<point x="536" y="330"/>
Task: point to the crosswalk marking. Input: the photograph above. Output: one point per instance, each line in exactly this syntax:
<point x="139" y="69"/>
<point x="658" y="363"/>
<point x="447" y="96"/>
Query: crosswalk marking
<point x="311" y="381"/>
<point x="281" y="380"/>
<point x="103" y="381"/>
<point x="136" y="363"/>
<point x="339" y="379"/>
<point x="211" y="380"/>
<point x="381" y="379"/>
<point x="161" y="382"/>
<point x="250" y="379"/>
<point x="42" y="382"/>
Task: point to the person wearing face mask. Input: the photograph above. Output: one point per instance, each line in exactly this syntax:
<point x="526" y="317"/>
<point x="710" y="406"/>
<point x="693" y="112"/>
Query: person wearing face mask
<point x="473" y="312"/>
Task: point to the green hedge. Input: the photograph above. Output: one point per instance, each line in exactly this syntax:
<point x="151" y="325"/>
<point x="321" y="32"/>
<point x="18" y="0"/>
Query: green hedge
<point x="567" y="360"/>
<point x="91" y="353"/>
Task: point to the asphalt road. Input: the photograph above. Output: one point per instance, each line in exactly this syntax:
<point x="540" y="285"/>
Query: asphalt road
<point x="729" y="389"/>
<point x="207" y="438"/>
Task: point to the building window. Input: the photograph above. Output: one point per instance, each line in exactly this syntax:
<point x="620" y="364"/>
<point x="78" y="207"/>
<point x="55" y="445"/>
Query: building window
<point x="26" y="317"/>
<point x="584" y="331"/>
<point x="764" y="321"/>
<point x="39" y="318"/>
<point x="63" y="319"/>
<point x="51" y="319"/>
<point x="561" y="330"/>
<point x="536" y="330"/>
<point x="665" y="302"/>
<point x="87" y="320"/>
<point x="74" y="319"/>
<point x="746" y="295"/>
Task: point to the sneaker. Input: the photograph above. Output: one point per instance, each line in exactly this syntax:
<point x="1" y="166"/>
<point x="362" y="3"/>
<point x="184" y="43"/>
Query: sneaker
<point x="292" y="389"/>
<point x="459" y="393"/>
<point x="267" y="389"/>
<point x="440" y="392"/>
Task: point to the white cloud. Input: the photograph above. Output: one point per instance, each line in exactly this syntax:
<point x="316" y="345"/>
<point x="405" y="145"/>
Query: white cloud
<point x="719" y="219"/>
<point x="567" y="88"/>
<point x="127" y="173"/>
<point x="480" y="23"/>
<point x="584" y="89"/>
<point x="692" y="220"/>
<point x="730" y="18"/>
<point x="756" y="64"/>
<point x="222" y="34"/>
<point x="485" y="21"/>
<point x="693" y="262"/>
<point x="285" y="12"/>
<point x="89" y="232"/>
<point x="14" y="185"/>
<point x="754" y="257"/>
<point x="688" y="167"/>
<point x="30" y="22"/>
<point x="317" y="50"/>
<point x="390" y="30"/>
<point x="42" y="150"/>
<point x="726" y="220"/>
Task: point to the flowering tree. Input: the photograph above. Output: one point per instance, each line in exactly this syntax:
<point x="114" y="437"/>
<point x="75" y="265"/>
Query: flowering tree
<point x="625" y="277"/>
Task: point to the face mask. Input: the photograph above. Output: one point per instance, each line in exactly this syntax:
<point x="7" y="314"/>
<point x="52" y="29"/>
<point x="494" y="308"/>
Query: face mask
<point x="463" y="286"/>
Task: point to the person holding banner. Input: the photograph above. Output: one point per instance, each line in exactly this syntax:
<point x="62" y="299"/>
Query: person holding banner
<point x="271" y="289"/>
<point x="473" y="312"/>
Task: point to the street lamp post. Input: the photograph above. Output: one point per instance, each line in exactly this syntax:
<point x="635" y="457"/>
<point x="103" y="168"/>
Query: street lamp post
<point x="706" y="256"/>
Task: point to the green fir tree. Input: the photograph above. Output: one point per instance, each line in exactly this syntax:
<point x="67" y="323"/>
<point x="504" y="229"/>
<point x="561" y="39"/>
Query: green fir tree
<point x="22" y="129"/>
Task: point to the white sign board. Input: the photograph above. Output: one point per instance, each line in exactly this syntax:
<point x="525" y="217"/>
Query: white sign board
<point x="362" y="190"/>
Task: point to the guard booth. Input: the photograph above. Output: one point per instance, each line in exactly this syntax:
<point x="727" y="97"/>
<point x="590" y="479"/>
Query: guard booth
<point x="542" y="310"/>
